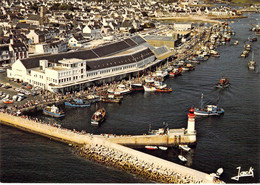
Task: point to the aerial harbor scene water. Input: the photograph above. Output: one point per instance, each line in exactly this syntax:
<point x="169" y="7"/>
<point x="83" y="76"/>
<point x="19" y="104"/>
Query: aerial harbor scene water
<point x="129" y="91"/>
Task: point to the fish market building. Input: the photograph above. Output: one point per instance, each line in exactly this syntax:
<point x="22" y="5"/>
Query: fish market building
<point x="77" y="70"/>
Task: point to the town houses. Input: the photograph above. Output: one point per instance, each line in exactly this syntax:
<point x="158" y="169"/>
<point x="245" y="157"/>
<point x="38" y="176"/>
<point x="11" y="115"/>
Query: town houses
<point x="60" y="45"/>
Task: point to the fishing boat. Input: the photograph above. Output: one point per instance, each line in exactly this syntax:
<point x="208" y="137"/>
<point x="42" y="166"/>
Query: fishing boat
<point x="136" y="85"/>
<point x="160" y="84"/>
<point x="185" y="147"/>
<point x="210" y="110"/>
<point x="188" y="67"/>
<point x="248" y="47"/>
<point x="111" y="98"/>
<point x="92" y="98"/>
<point x="214" y="53"/>
<point x="53" y="111"/>
<point x="244" y="54"/>
<point x="252" y="64"/>
<point x="223" y="83"/>
<point x="77" y="103"/>
<point x="181" y="157"/>
<point x="175" y="72"/>
<point x="151" y="147"/>
<point x="119" y="90"/>
<point x="8" y="101"/>
<point x="149" y="88"/>
<point x="98" y="116"/>
<point x="160" y="73"/>
<point x="163" y="148"/>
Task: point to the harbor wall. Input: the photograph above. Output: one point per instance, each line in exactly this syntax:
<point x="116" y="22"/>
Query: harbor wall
<point x="59" y="134"/>
<point x="163" y="140"/>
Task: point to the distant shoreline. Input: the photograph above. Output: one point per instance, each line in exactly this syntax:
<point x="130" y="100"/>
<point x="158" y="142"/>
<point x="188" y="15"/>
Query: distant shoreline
<point x="209" y="19"/>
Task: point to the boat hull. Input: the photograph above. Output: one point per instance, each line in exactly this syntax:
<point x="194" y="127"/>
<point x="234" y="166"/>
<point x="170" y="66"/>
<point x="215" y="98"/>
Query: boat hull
<point x="77" y="105"/>
<point x="55" y="115"/>
<point x="205" y="113"/>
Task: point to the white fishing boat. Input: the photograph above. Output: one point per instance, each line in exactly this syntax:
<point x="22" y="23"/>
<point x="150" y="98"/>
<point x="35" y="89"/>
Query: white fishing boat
<point x="210" y="110"/>
<point x="182" y="158"/>
<point x="252" y="64"/>
<point x="160" y="85"/>
<point x="219" y="172"/>
<point x="149" y="88"/>
<point x="119" y="90"/>
<point x="163" y="148"/>
<point x="185" y="147"/>
<point x="160" y="73"/>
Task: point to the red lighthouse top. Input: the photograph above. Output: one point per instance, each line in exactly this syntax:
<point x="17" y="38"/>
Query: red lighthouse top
<point x="191" y="112"/>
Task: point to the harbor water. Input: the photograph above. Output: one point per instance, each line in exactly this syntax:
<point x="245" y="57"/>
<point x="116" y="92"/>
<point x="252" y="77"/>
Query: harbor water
<point x="227" y="142"/>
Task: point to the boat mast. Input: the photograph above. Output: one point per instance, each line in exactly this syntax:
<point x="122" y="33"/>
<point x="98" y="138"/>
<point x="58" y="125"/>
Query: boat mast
<point x="201" y="102"/>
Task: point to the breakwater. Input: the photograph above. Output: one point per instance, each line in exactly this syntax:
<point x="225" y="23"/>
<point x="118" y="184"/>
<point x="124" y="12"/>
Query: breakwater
<point x="98" y="149"/>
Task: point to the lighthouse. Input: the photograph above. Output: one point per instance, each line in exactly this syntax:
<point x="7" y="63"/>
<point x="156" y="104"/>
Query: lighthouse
<point x="191" y="122"/>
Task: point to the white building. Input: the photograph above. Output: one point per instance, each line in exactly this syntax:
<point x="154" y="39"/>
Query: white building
<point x="67" y="71"/>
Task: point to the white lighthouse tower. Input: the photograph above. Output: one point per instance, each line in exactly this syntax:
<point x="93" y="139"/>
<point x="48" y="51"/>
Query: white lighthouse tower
<point x="191" y="122"/>
<point x="191" y="132"/>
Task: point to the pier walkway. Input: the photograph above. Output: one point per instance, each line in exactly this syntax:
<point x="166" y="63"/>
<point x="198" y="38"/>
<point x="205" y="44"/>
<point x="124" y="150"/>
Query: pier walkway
<point x="91" y="145"/>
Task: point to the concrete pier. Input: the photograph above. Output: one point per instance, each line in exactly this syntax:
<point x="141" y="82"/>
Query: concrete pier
<point x="102" y="150"/>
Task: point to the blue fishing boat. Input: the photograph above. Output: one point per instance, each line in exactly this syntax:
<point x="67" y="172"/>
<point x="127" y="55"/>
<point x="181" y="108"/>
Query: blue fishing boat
<point x="210" y="110"/>
<point x="78" y="103"/>
<point x="53" y="111"/>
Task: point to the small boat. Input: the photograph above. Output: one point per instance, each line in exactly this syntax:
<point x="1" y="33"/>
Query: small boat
<point x="111" y="98"/>
<point x="211" y="110"/>
<point x="248" y="47"/>
<point x="175" y="72"/>
<point x="182" y="158"/>
<point x="214" y="53"/>
<point x="136" y="85"/>
<point x="160" y="73"/>
<point x="236" y="42"/>
<point x="78" y="103"/>
<point x="93" y="98"/>
<point x="163" y="148"/>
<point x="219" y="172"/>
<point x="53" y="111"/>
<point x="223" y="83"/>
<point x="160" y="84"/>
<point x="244" y="54"/>
<point x="149" y="88"/>
<point x="119" y="90"/>
<point x="188" y="67"/>
<point x="252" y="64"/>
<point x="151" y="147"/>
<point x="98" y="116"/>
<point x="185" y="147"/>
<point x="8" y="101"/>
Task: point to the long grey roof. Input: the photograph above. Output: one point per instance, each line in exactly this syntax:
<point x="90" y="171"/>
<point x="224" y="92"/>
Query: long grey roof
<point x="102" y="51"/>
<point x="118" y="60"/>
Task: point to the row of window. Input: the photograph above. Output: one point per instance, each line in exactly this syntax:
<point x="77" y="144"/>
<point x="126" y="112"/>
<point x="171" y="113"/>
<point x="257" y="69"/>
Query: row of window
<point x="70" y="79"/>
<point x="51" y="80"/>
<point x="37" y="83"/>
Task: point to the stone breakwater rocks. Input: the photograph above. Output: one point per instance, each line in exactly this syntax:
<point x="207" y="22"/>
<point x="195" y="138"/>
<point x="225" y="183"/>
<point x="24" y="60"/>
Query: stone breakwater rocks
<point x="132" y="164"/>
